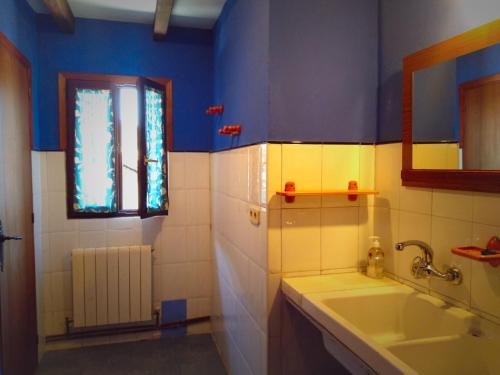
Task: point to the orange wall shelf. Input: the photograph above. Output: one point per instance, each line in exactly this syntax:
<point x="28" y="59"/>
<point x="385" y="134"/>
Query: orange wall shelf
<point x="352" y="192"/>
<point x="331" y="192"/>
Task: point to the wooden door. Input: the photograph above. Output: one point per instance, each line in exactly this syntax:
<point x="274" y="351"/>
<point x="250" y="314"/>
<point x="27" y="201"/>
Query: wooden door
<point x="480" y="123"/>
<point x="18" y="328"/>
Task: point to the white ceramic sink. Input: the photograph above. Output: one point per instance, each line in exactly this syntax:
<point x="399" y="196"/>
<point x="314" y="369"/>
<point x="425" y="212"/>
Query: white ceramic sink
<point x="396" y="330"/>
<point x="395" y="313"/>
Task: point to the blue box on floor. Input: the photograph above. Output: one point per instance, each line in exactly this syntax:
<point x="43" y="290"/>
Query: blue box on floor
<point x="174" y="311"/>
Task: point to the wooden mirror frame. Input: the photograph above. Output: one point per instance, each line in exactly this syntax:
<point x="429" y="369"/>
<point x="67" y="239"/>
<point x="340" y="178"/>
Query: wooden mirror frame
<point x="463" y="44"/>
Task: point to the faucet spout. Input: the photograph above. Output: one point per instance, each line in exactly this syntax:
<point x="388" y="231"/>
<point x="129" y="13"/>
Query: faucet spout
<point x="423" y="266"/>
<point x="426" y="249"/>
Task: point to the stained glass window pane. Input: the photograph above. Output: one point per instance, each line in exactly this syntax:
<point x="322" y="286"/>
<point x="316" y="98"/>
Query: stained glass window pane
<point x="94" y="152"/>
<point x="129" y="120"/>
<point x="156" y="199"/>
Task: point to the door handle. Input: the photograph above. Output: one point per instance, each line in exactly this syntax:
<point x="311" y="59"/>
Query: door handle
<point x="147" y="160"/>
<point x="9" y="238"/>
<point x="2" y="240"/>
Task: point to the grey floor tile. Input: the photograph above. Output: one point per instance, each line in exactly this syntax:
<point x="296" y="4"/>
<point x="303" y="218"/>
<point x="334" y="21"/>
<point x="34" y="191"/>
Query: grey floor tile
<point x="170" y="356"/>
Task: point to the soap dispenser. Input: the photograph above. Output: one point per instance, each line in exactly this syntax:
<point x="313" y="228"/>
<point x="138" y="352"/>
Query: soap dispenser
<point x="375" y="267"/>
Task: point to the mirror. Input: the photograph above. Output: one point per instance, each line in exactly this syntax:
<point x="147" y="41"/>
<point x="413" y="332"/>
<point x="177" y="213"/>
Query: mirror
<point x="451" y="113"/>
<point x="456" y="113"/>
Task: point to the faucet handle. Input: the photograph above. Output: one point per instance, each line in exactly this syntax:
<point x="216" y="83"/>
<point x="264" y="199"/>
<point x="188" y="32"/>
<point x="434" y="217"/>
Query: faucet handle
<point x="418" y="268"/>
<point x="454" y="274"/>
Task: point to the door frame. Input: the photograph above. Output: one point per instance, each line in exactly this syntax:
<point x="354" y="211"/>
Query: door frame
<point x="17" y="54"/>
<point x="20" y="57"/>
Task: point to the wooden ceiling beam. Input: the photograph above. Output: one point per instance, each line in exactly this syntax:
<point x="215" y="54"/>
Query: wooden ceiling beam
<point x="162" y="18"/>
<point x="62" y="14"/>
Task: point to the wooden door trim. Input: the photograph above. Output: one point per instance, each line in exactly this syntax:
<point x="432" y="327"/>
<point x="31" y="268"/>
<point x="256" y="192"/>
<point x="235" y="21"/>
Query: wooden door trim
<point x="17" y="54"/>
<point x="462" y="88"/>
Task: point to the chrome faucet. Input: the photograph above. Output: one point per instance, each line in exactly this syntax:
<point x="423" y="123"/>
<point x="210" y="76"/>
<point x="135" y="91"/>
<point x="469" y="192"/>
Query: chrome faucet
<point x="423" y="267"/>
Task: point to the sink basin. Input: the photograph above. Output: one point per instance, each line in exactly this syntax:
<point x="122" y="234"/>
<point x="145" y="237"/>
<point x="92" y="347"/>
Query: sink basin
<point x="394" y="314"/>
<point x="469" y="354"/>
<point x="393" y="329"/>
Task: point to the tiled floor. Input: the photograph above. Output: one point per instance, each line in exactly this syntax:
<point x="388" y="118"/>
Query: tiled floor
<point x="185" y="355"/>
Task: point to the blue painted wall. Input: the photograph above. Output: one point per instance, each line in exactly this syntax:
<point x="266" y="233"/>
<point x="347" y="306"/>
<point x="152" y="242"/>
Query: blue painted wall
<point x="18" y="23"/>
<point x="435" y="103"/>
<point x="408" y="26"/>
<point x="128" y="49"/>
<point x="241" y="78"/>
<point x="483" y="63"/>
<point x="290" y="70"/>
<point x="324" y="70"/>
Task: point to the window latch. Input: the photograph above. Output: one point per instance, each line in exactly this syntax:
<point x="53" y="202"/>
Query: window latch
<point x="147" y="161"/>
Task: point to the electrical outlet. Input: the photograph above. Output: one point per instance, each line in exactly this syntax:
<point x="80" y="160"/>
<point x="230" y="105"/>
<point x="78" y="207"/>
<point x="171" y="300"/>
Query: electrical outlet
<point x="254" y="213"/>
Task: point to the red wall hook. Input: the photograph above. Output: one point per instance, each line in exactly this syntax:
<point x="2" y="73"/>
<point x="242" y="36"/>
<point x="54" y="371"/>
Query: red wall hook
<point x="215" y="110"/>
<point x="231" y="130"/>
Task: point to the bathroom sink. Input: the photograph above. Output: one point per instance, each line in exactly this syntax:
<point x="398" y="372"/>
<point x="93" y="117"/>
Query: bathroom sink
<point x="394" y="314"/>
<point x="458" y="355"/>
<point x="394" y="329"/>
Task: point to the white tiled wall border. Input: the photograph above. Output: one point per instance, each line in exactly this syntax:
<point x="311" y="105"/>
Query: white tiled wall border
<point x="182" y="261"/>
<point x="239" y="310"/>
<point x="445" y="219"/>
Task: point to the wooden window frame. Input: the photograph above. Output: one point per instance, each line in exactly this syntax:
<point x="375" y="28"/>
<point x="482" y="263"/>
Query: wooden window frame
<point x="66" y="129"/>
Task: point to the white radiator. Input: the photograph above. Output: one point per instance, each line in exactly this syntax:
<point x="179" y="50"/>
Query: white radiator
<point x="111" y="285"/>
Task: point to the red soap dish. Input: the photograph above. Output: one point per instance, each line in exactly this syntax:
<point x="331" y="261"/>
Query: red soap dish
<point x="474" y="252"/>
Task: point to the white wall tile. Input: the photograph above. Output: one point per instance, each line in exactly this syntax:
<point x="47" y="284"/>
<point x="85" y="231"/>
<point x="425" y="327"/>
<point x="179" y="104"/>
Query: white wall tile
<point x="176" y="170"/>
<point x="340" y="164"/>
<point x="237" y="174"/>
<point x="366" y="228"/>
<point x="486" y="208"/>
<point x="198" y="307"/>
<point x="124" y="223"/>
<point x="386" y="226"/>
<point x="92" y="225"/>
<point x="92" y="239"/>
<point x="452" y="204"/>
<point x="255" y="238"/>
<point x="339" y="237"/>
<point x="197" y="171"/>
<point x="61" y="291"/>
<point x="255" y="166"/>
<point x="366" y="167"/>
<point x="198" y="243"/>
<point x="388" y="166"/>
<point x="173" y="245"/>
<point x="301" y="240"/>
<point x="256" y="297"/>
<point x="124" y="237"/>
<point x="485" y="288"/>
<point x="273" y="167"/>
<point x="415" y="200"/>
<point x="302" y="164"/>
<point x="412" y="226"/>
<point x="177" y="210"/>
<point x="57" y="216"/>
<point x="274" y="241"/>
<point x="60" y="246"/>
<point x="174" y="281"/>
<point x="200" y="280"/>
<point x="56" y="172"/>
<point x="198" y="207"/>
<point x="446" y="234"/>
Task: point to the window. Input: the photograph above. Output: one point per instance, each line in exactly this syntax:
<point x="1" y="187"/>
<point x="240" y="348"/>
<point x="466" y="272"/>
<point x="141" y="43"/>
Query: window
<point x="117" y="132"/>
